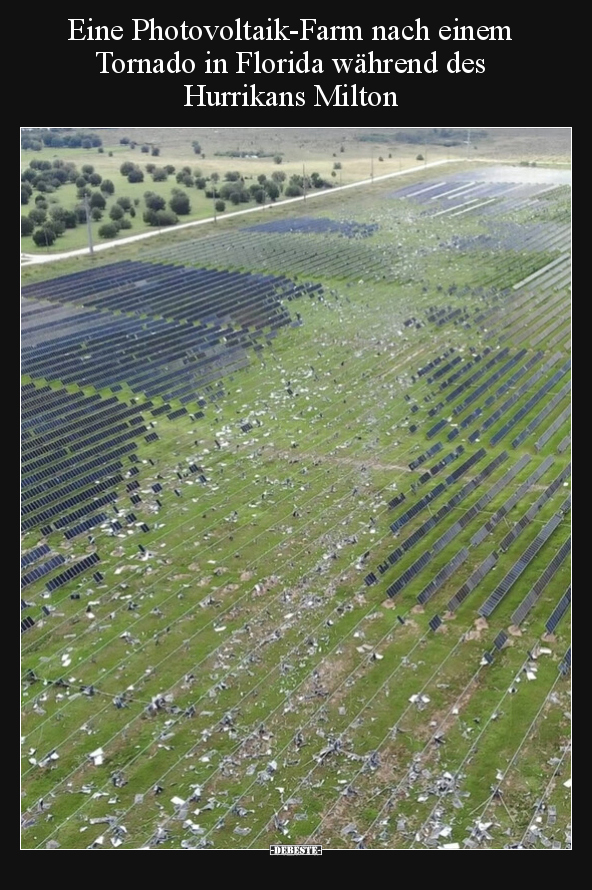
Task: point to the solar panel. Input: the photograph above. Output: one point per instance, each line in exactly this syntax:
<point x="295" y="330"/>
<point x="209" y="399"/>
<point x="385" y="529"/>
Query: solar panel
<point x="500" y="639"/>
<point x="435" y="622"/>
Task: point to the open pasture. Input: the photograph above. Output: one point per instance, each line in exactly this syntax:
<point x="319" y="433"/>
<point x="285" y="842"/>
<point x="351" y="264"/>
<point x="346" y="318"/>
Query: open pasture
<point x="296" y="528"/>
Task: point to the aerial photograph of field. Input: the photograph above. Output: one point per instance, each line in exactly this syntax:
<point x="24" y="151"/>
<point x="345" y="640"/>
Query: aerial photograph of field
<point x="296" y="489"/>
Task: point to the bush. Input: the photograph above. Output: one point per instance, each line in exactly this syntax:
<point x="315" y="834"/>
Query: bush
<point x="419" y="158"/>
<point x="96" y="214"/>
<point x="44" y="237"/>
<point x="126" y="168"/>
<point x="108" y="230"/>
<point x="95" y="178"/>
<point x="220" y="206"/>
<point x="27" y="225"/>
<point x="180" y="204"/>
<point x="155" y="152"/>
<point x="124" y="223"/>
<point x="107" y="187"/>
<point x="125" y="203"/>
<point x="135" y="175"/>
<point x="159" y="174"/>
<point x="98" y="200"/>
<point x="145" y="149"/>
<point x="116" y="212"/>
<point x="154" y="201"/>
<point x="160" y="217"/>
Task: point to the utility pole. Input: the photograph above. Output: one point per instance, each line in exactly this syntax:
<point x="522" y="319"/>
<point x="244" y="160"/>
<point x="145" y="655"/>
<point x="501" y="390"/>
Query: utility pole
<point x="304" y="181"/>
<point x="88" y="225"/>
<point x="468" y="141"/>
<point x="372" y="164"/>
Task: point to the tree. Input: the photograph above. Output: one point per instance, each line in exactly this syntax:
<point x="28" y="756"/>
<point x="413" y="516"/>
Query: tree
<point x="70" y="219"/>
<point x="272" y="190"/>
<point x="279" y="177"/>
<point x="126" y="168"/>
<point x="125" y="203"/>
<point x="116" y="212"/>
<point x="124" y="223"/>
<point x="154" y="201"/>
<point x="107" y="187"/>
<point x="145" y="149"/>
<point x="98" y="200"/>
<point x="277" y="159"/>
<point x="232" y="176"/>
<point x="159" y="174"/>
<point x="25" y="195"/>
<point x="27" y="225"/>
<point x="220" y="206"/>
<point x="124" y="141"/>
<point x="44" y="237"/>
<point x="155" y="152"/>
<point x="96" y="214"/>
<point x="419" y="158"/>
<point x="86" y="143"/>
<point x="87" y="169"/>
<point x="135" y="175"/>
<point x="200" y="182"/>
<point x="95" y="178"/>
<point x="37" y="216"/>
<point x="196" y="147"/>
<point x="108" y="230"/>
<point x="160" y="218"/>
<point x="169" y="169"/>
<point x="180" y="203"/>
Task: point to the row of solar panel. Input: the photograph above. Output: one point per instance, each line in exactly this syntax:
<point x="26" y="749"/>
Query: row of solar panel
<point x="44" y="569"/>
<point x="472" y="582"/>
<point x="28" y="558"/>
<point x="72" y="572"/>
<point x="483" y="387"/>
<point x="519" y="566"/>
<point x="552" y="429"/>
<point x="85" y="526"/>
<point x="49" y="485"/>
<point x="514" y="498"/>
<point x="544" y="412"/>
<point x="517" y="394"/>
<point x="79" y="497"/>
<point x="559" y="611"/>
<point x="541" y="392"/>
<point x="436" y="583"/>
<point x="542" y="581"/>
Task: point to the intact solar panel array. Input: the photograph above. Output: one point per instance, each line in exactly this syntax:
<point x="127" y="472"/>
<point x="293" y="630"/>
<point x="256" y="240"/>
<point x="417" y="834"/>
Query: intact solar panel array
<point x="552" y="429"/>
<point x="418" y="506"/>
<point x="39" y="571"/>
<point x="435" y="622"/>
<point x="479" y="373"/>
<point x="33" y="555"/>
<point x="317" y="225"/>
<point x="534" y="593"/>
<point x="436" y="583"/>
<point x="518" y="393"/>
<point x="559" y="611"/>
<point x="76" y="498"/>
<point x="151" y="437"/>
<point x="544" y="389"/>
<point x="26" y="623"/>
<point x="538" y="419"/>
<point x="532" y="511"/>
<point x="77" y="514"/>
<point x="519" y="566"/>
<point x="178" y="413"/>
<point x="89" y="523"/>
<point x="483" y="387"/>
<point x="466" y="466"/>
<point x="162" y="409"/>
<point x="72" y="572"/>
<point x="410" y="573"/>
<point x="470" y="584"/>
<point x="436" y="429"/>
<point x="514" y="498"/>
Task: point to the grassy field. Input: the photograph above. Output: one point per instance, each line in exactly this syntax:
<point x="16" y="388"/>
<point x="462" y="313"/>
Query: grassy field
<point x="266" y="693"/>
<point x="301" y="150"/>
